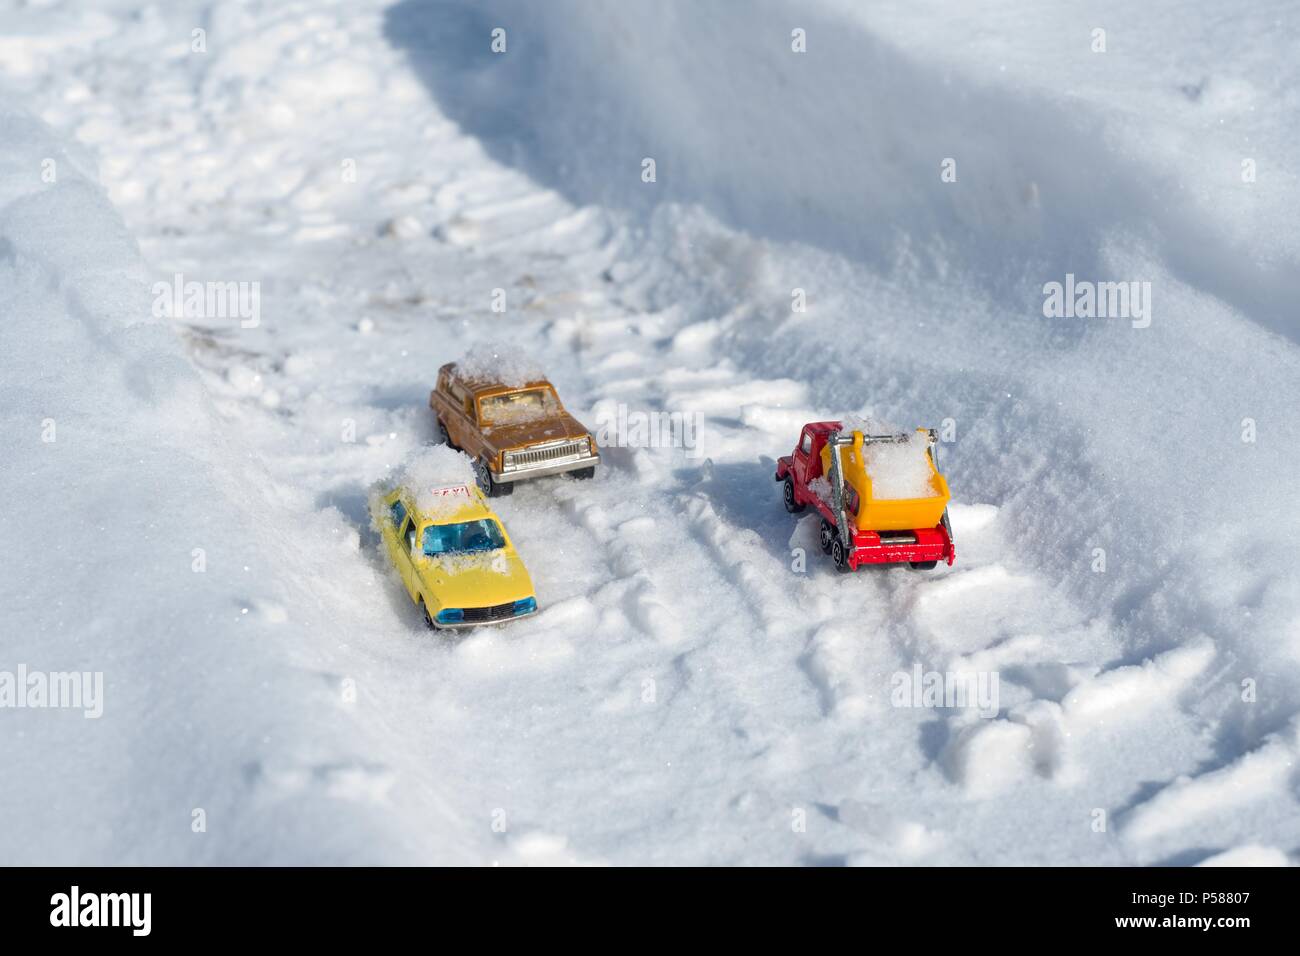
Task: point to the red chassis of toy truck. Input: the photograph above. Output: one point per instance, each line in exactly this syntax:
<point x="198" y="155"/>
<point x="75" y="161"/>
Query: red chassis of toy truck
<point x="920" y="547"/>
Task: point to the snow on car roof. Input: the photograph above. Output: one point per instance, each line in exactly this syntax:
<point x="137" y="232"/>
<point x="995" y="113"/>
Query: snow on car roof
<point x="444" y="502"/>
<point x="439" y="478"/>
<point x="499" y="367"/>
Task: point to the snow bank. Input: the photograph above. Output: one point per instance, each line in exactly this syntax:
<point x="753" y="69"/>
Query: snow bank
<point x="694" y="89"/>
<point x="138" y="546"/>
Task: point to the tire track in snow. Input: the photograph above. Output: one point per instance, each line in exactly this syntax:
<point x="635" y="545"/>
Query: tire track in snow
<point x="618" y="541"/>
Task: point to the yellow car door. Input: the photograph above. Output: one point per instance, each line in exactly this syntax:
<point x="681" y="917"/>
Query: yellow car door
<point x="398" y="531"/>
<point x="406" y="555"/>
<point x="390" y="523"/>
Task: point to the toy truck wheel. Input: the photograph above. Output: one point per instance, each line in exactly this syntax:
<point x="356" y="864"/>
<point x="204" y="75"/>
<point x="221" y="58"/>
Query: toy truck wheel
<point x="792" y="504"/>
<point x="840" y="555"/>
<point x="827" y="536"/>
<point x="583" y="474"/>
<point x="483" y="476"/>
<point x="443" y="435"/>
<point x="923" y="565"/>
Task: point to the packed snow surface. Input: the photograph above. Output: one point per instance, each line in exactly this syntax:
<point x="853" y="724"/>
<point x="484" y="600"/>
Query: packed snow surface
<point x="865" y="228"/>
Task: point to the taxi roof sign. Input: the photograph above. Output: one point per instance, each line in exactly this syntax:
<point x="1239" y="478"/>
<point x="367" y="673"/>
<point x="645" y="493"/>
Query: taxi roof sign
<point x="448" y="491"/>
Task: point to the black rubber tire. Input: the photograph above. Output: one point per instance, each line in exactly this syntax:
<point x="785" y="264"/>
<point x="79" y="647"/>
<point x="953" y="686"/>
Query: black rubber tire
<point x="428" y="620"/>
<point x="483" y="478"/>
<point x="583" y="474"/>
<point x="443" y="435"/>
<point x="922" y="565"/>
<point x="840" y="555"/>
<point x="827" y="536"/>
<point x="787" y="495"/>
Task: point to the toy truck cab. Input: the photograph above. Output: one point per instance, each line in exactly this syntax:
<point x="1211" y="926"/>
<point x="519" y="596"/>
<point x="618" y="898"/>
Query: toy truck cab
<point x="804" y="466"/>
<point x="828" y="470"/>
<point x="511" y="431"/>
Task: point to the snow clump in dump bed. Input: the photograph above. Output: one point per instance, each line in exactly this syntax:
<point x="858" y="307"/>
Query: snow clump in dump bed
<point x="901" y="469"/>
<point x="897" y="470"/>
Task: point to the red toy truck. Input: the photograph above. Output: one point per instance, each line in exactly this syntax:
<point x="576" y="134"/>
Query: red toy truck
<point x="830" y="469"/>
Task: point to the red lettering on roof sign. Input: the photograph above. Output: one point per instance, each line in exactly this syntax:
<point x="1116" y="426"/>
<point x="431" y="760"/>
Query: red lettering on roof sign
<point x="452" y="490"/>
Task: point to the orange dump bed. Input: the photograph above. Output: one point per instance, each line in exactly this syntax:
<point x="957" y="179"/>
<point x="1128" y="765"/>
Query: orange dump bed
<point x="867" y="511"/>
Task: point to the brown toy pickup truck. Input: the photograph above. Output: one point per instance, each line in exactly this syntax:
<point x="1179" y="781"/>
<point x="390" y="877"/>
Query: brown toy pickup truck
<point x="510" y="431"/>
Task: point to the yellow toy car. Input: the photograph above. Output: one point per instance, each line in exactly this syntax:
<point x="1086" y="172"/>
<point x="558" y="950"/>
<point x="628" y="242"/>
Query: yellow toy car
<point x="454" y="556"/>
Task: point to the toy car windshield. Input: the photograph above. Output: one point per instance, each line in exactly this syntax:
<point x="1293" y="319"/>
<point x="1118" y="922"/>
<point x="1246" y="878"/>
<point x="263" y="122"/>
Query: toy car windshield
<point x="468" y="537"/>
<point x="521" y="406"/>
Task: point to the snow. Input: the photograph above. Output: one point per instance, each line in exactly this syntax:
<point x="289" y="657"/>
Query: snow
<point x="140" y="547"/>
<point x="1250" y="855"/>
<point x="700" y="686"/>
<point x="500" y="363"/>
<point x="1187" y="800"/>
<point x="438" y="476"/>
<point x="900" y="469"/>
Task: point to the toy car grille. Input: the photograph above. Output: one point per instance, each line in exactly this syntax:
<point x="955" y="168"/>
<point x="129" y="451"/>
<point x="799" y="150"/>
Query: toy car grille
<point x="533" y="456"/>
<point x="497" y="613"/>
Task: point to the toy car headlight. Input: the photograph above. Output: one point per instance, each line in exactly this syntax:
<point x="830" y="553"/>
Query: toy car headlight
<point x="451" y="615"/>
<point x="527" y="606"/>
